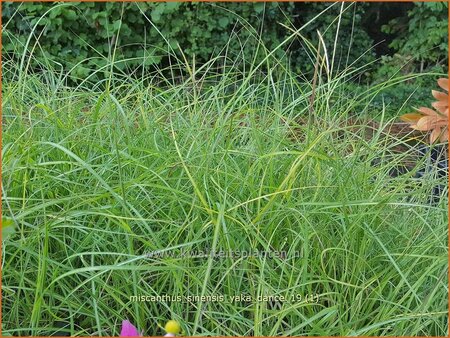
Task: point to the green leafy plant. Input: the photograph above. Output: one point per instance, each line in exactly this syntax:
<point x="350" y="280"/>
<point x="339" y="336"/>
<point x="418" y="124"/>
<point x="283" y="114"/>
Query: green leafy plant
<point x="82" y="38"/>
<point x="423" y="34"/>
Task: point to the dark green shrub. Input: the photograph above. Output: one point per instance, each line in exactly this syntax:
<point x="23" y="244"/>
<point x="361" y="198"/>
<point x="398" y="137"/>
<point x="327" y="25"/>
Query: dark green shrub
<point x="422" y="35"/>
<point x="82" y="37"/>
<point x="86" y="34"/>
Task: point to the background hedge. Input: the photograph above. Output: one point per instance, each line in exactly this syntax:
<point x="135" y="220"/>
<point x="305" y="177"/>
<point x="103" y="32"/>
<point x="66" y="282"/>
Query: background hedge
<point x="80" y="37"/>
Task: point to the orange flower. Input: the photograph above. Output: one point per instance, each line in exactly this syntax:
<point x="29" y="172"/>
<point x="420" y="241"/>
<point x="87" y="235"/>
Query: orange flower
<point x="431" y="120"/>
<point x="441" y="105"/>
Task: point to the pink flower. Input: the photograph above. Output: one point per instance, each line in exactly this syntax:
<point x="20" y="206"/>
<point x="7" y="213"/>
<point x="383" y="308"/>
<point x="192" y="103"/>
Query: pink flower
<point x="129" y="330"/>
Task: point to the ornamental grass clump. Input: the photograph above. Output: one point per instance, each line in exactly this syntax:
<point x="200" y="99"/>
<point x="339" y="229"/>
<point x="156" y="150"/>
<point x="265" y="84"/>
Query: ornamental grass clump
<point x="113" y="186"/>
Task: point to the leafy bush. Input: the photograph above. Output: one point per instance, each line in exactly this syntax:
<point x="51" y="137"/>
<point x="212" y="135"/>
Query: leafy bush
<point x="423" y="34"/>
<point x="82" y="37"/>
<point x="87" y="33"/>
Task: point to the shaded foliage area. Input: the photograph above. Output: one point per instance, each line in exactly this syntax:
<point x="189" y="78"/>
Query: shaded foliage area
<point x="82" y="37"/>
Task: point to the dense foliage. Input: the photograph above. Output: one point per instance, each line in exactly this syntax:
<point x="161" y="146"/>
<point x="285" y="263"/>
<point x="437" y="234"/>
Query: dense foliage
<point x="423" y="34"/>
<point x="82" y="36"/>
